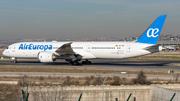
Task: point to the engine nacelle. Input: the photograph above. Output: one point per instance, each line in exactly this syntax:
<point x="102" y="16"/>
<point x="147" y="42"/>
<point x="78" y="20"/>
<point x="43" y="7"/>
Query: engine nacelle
<point x="160" y="48"/>
<point x="46" y="57"/>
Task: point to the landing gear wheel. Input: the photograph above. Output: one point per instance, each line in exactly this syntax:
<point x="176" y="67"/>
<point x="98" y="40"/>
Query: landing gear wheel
<point x="76" y="62"/>
<point x="86" y="62"/>
<point x="89" y="63"/>
<point x="71" y="63"/>
<point x="83" y="62"/>
<point x="15" y="61"/>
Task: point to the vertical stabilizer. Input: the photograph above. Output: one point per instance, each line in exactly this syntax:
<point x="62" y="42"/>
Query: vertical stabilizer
<point x="151" y="35"/>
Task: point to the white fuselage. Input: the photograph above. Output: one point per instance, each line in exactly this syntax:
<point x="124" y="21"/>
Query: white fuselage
<point x="76" y="51"/>
<point x="88" y="50"/>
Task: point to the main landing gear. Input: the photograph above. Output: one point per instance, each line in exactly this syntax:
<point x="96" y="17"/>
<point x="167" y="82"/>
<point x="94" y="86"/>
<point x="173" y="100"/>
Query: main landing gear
<point x="76" y="62"/>
<point x="86" y="62"/>
<point x="73" y="62"/>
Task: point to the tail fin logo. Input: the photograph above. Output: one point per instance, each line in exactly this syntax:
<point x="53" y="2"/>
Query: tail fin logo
<point x="153" y="32"/>
<point x="151" y="35"/>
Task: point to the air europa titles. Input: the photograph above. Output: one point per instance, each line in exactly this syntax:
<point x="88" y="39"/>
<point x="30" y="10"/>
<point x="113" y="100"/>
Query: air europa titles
<point x="35" y="47"/>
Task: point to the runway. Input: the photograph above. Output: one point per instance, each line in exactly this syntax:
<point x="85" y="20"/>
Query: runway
<point x="127" y="64"/>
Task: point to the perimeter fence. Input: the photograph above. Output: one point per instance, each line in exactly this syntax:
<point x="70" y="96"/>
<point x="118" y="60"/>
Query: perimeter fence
<point x="164" y="94"/>
<point x="10" y="93"/>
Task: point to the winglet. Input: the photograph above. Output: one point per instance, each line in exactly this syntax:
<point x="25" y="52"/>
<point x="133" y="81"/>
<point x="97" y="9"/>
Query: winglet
<point x="151" y="35"/>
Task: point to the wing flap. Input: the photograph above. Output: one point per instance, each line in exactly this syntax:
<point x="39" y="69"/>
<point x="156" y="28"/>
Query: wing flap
<point x="65" y="49"/>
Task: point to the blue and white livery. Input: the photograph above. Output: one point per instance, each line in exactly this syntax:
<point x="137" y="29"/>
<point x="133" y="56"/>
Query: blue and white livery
<point x="151" y="35"/>
<point x="73" y="52"/>
<point x="35" y="47"/>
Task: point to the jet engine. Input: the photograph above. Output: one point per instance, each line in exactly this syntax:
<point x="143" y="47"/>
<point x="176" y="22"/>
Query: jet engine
<point x="160" y="48"/>
<point x="46" y="57"/>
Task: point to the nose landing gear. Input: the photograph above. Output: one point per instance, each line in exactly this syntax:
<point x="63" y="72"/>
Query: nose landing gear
<point x="14" y="60"/>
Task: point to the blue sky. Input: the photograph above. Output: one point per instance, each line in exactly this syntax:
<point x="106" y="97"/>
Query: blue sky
<point x="84" y="18"/>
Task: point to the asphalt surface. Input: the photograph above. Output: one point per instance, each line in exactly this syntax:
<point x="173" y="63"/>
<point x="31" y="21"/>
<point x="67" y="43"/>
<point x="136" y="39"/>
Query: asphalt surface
<point x="127" y="64"/>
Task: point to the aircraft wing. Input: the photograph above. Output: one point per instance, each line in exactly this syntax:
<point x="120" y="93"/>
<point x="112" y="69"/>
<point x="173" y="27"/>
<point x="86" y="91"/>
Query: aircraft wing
<point x="65" y="49"/>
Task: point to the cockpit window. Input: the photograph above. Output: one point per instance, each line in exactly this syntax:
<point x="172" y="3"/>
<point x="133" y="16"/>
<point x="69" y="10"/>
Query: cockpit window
<point x="7" y="47"/>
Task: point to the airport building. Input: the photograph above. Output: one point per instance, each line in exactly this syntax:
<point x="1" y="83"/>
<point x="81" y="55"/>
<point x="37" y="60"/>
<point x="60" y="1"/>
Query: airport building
<point x="170" y="45"/>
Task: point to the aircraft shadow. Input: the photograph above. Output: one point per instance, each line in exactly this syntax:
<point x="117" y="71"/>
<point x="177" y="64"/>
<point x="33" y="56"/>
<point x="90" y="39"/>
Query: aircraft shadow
<point x="93" y="64"/>
<point x="99" y="63"/>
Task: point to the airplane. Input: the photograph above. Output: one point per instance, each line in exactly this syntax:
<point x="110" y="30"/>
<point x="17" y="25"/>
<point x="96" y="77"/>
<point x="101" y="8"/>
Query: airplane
<point x="170" y="47"/>
<point x="73" y="52"/>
